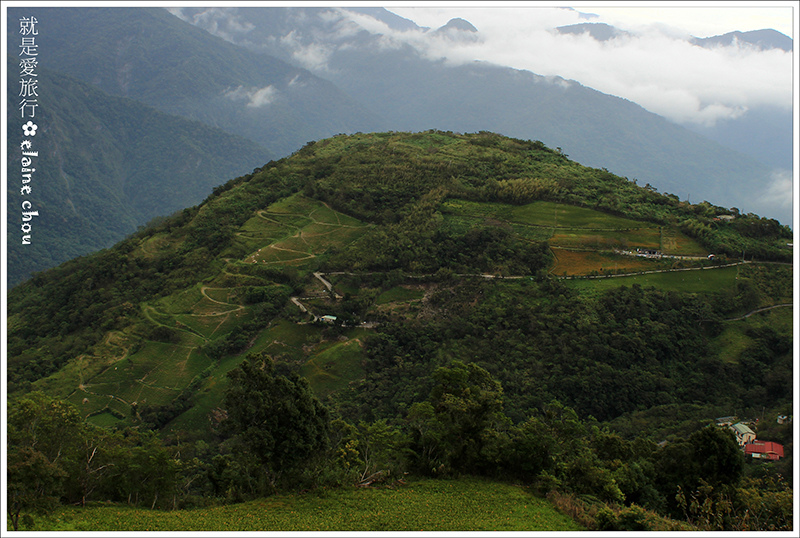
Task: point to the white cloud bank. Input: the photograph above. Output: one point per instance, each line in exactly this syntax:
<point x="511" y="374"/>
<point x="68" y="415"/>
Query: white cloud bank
<point x="255" y="97"/>
<point x="654" y="66"/>
<point x="779" y="193"/>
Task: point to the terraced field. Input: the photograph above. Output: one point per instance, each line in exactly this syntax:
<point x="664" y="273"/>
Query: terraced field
<point x="136" y="366"/>
<point x="298" y="229"/>
<point x="583" y="240"/>
<point x="582" y="262"/>
<point x="132" y="367"/>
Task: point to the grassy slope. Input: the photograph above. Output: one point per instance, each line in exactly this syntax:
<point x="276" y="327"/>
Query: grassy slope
<point x="425" y="505"/>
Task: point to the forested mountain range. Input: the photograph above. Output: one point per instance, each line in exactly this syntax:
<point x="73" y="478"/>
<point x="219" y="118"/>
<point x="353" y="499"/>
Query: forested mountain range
<point x="148" y="55"/>
<point x="107" y="165"/>
<point x="763" y="39"/>
<point x="438" y="304"/>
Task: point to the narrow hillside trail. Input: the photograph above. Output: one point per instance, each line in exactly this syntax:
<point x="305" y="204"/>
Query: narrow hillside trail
<point x="757" y="310"/>
<point x="306" y="255"/>
<point x="654" y="271"/>
<point x="304" y="310"/>
<point x="568" y="277"/>
<point x="225" y="271"/>
<point x="146" y="310"/>
<point x="203" y="292"/>
<point x="262" y="212"/>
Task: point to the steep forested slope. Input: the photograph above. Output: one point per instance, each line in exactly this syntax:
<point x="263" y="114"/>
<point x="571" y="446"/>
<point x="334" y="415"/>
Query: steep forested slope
<point x="105" y="166"/>
<point x="148" y="55"/>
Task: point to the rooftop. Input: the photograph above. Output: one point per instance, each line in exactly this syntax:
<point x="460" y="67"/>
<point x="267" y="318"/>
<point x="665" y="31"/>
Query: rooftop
<point x="742" y="429"/>
<point x="764" y="447"/>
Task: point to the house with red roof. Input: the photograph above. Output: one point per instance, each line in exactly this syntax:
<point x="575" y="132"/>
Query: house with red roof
<point x="764" y="450"/>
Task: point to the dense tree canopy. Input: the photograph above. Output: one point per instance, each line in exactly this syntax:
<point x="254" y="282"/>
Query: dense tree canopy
<point x="277" y="418"/>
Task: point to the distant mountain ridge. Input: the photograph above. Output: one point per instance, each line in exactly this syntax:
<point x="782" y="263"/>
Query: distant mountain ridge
<point x="763" y="132"/>
<point x="598" y="30"/>
<point x="106" y="166"/>
<point x="151" y="56"/>
<point x="765" y="39"/>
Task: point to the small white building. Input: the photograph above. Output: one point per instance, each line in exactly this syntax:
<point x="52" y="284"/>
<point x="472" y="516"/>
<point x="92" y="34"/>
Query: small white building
<point x="744" y="434"/>
<point x="328" y="319"/>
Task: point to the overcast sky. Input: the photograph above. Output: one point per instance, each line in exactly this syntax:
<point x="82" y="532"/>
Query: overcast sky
<point x="655" y="66"/>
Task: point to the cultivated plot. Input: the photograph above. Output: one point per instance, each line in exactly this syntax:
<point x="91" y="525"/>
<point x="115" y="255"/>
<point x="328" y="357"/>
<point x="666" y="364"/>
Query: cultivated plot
<point x="298" y="229"/>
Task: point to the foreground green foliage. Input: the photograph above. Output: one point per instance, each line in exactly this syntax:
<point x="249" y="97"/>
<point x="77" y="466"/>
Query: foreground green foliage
<point x="429" y="505"/>
<point x="435" y="304"/>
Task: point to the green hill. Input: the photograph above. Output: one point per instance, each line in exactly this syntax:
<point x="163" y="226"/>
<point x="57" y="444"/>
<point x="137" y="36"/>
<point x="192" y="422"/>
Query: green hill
<point x="383" y="206"/>
<point x="443" y="296"/>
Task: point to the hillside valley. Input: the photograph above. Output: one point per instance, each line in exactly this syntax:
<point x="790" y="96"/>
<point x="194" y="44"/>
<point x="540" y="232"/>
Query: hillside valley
<point x="437" y="304"/>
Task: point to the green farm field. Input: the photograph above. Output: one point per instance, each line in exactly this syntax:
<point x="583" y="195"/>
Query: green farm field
<point x="424" y="505"/>
<point x="568" y="216"/>
<point x="543" y="214"/>
<point x="335" y="367"/>
<point x="674" y="242"/>
<point x="694" y="281"/>
<point x="399" y="294"/>
<point x="607" y="239"/>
